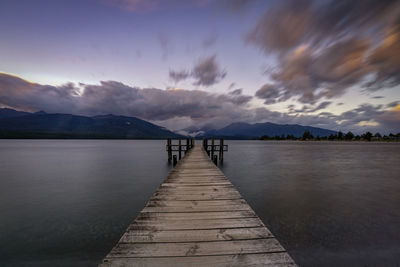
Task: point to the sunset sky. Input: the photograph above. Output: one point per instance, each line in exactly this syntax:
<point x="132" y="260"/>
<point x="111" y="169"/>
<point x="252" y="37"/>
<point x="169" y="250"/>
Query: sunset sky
<point x="206" y="63"/>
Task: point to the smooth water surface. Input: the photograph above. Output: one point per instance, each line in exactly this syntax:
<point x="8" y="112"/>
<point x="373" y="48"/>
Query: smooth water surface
<point x="67" y="202"/>
<point x="328" y="203"/>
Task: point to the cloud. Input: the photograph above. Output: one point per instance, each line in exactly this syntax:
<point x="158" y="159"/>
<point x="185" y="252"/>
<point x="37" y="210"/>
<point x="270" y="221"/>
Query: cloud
<point x="385" y="60"/>
<point x="21" y="94"/>
<point x="287" y="24"/>
<point x="237" y="5"/>
<point x="236" y="92"/>
<point x="135" y="5"/>
<point x="205" y="73"/>
<point x="393" y="104"/>
<point x="178" y="76"/>
<point x="118" y="98"/>
<point x="163" y="40"/>
<point x="282" y="27"/>
<point x="269" y="93"/>
<point x="310" y="109"/>
<point x="323" y="48"/>
<point x="177" y="108"/>
<point x="391" y="119"/>
<point x="210" y="40"/>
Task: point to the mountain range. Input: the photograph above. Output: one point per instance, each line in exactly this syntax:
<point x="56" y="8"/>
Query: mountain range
<point x="18" y="124"/>
<point x="21" y="124"/>
<point x="241" y="130"/>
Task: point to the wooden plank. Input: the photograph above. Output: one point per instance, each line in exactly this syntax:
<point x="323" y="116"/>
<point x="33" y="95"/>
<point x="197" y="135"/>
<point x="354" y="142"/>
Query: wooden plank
<point x="182" y="249"/>
<point x="196" y="184"/>
<point x="197" y="218"/>
<point x="196" y="196"/>
<point x="196" y="215"/>
<point x="195" y="235"/>
<point x="206" y="203"/>
<point x="180" y="224"/>
<point x="242" y="207"/>
<point x="262" y="259"/>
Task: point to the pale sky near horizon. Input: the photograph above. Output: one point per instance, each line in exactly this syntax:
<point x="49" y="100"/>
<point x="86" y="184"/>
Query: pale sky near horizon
<point x="330" y="64"/>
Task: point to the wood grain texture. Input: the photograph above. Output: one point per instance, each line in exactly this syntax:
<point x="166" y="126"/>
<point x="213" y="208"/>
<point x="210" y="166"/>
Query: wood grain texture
<point x="197" y="218"/>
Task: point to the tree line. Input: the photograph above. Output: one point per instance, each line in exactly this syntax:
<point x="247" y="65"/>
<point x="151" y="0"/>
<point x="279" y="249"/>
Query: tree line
<point x="340" y="136"/>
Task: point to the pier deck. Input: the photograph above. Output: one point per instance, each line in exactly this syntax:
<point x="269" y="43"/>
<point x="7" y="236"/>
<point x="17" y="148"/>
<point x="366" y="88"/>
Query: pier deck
<point x="197" y="218"/>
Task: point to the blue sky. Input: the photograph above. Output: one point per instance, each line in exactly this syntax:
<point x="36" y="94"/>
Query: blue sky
<point x="306" y="62"/>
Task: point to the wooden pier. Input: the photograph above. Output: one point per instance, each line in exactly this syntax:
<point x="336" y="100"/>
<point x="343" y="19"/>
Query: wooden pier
<point x="197" y="218"/>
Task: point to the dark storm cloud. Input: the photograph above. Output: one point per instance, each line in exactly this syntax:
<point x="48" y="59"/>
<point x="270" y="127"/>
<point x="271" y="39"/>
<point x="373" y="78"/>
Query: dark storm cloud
<point x="177" y="107"/>
<point x="325" y="47"/>
<point x="205" y="73"/>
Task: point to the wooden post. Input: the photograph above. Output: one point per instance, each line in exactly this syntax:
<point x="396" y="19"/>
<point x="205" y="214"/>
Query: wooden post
<point x="206" y="147"/>
<point x="221" y="149"/>
<point x="212" y="148"/>
<point x="180" y="149"/>
<point x="174" y="160"/>
<point x="216" y="160"/>
<point x="187" y="145"/>
<point x="169" y="147"/>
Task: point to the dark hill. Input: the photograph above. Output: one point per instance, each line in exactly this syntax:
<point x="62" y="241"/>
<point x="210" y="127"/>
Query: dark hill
<point x="16" y="124"/>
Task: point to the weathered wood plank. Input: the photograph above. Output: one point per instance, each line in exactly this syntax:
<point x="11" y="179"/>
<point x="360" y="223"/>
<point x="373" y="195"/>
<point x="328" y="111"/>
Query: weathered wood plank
<point x="242" y="207"/>
<point x="181" y="249"/>
<point x="195" y="235"/>
<point x="173" y="224"/>
<point x="196" y="215"/>
<point x="206" y="203"/>
<point x="262" y="259"/>
<point x="195" y="184"/>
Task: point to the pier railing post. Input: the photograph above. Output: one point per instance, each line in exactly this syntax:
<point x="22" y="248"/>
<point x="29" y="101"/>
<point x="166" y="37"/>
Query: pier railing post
<point x="212" y="148"/>
<point x="180" y="149"/>
<point x="221" y="149"/>
<point x="174" y="160"/>
<point x="187" y="145"/>
<point x="216" y="160"/>
<point x="169" y="148"/>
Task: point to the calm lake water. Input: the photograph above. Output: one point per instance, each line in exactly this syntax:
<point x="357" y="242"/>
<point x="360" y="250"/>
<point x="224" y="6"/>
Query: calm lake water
<point x="67" y="202"/>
